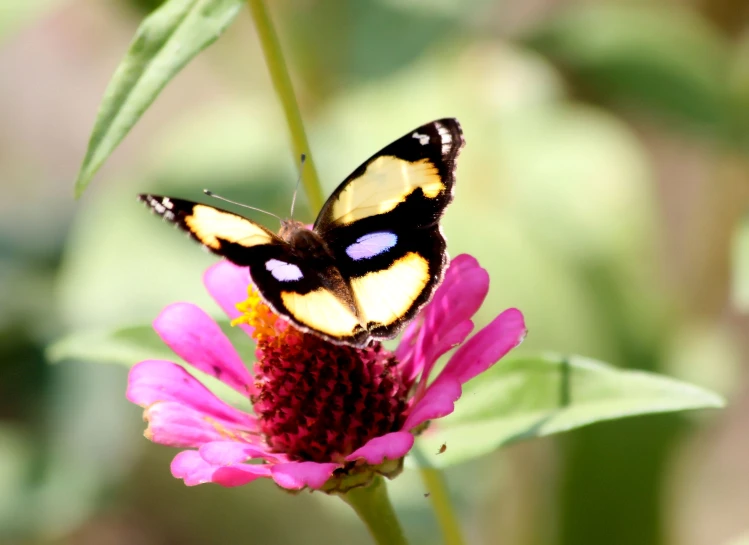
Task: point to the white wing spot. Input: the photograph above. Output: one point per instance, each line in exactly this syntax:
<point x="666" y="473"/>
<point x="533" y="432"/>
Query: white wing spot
<point x="282" y="271"/>
<point x="422" y="138"/>
<point x="447" y="138"/>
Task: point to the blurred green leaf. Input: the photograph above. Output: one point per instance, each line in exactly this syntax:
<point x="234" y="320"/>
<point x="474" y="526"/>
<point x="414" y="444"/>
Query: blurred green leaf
<point x="16" y="458"/>
<point x="165" y="42"/>
<point x="335" y="44"/>
<point x="530" y="397"/>
<point x="665" y="59"/>
<point x="740" y="280"/>
<point x="129" y="345"/>
<point x="125" y="346"/>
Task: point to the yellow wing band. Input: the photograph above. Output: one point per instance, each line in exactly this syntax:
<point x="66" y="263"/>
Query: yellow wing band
<point x="207" y="224"/>
<point x="321" y="310"/>
<point x="384" y="185"/>
<point x="385" y="296"/>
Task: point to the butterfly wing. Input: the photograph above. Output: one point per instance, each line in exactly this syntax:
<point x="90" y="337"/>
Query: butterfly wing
<point x="382" y="225"/>
<point x="416" y="172"/>
<point x="312" y="295"/>
<point x="226" y="234"/>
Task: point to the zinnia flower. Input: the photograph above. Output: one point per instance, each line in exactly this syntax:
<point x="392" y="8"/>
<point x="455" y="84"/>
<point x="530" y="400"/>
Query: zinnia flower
<point x="325" y="416"/>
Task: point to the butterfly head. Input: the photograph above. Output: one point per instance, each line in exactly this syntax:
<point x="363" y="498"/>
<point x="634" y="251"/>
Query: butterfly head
<point x="291" y="228"/>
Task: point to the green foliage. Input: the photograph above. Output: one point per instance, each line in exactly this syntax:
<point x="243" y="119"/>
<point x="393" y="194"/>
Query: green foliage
<point x="129" y="345"/>
<point x="529" y="397"/>
<point x="165" y="42"/>
<point x="125" y="346"/>
<point x="662" y="59"/>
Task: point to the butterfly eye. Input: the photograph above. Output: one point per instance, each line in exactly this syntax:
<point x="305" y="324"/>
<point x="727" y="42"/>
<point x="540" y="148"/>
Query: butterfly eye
<point x="371" y="245"/>
<point x="282" y="271"/>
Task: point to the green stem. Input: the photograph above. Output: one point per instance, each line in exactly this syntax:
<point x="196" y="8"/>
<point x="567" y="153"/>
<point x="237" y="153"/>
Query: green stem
<point x="373" y="506"/>
<point x="443" y="509"/>
<point x="279" y="74"/>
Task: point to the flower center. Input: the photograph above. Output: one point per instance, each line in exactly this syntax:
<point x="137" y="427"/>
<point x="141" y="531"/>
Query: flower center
<point x="318" y="401"/>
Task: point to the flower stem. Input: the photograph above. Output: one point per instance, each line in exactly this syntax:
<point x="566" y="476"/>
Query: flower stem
<point x="279" y="74"/>
<point x="373" y="506"/>
<point x="443" y="509"/>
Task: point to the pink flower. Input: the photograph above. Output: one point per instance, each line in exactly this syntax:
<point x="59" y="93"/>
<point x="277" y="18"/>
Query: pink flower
<point x="325" y="416"/>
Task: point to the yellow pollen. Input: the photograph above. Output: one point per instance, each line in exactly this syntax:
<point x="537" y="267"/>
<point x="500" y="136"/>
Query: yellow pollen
<point x="256" y="314"/>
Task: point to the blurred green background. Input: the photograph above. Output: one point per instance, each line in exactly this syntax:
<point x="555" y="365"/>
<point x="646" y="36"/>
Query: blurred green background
<point x="603" y="184"/>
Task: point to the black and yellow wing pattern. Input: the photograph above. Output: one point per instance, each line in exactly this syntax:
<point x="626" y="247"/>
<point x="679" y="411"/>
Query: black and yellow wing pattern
<point x="382" y="225"/>
<point x="302" y="285"/>
<point x="376" y="252"/>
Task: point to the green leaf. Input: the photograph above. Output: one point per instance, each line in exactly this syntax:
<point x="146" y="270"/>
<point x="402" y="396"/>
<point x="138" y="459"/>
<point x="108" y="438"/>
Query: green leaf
<point x="129" y="345"/>
<point x="126" y="346"/>
<point x="531" y="397"/>
<point x="740" y="269"/>
<point x="164" y="43"/>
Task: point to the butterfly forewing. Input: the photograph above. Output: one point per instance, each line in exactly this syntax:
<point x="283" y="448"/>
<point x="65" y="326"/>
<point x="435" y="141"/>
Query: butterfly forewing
<point x="417" y="172"/>
<point x="220" y="231"/>
<point x="382" y="225"/>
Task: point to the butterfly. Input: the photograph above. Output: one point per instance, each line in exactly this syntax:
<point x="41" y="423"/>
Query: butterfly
<point x="374" y="256"/>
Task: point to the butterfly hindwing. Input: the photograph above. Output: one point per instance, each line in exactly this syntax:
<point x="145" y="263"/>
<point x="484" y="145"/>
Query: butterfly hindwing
<point x="310" y="293"/>
<point x="392" y="274"/>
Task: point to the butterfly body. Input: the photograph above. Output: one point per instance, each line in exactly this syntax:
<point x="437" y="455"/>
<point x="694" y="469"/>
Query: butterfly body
<point x="374" y="256"/>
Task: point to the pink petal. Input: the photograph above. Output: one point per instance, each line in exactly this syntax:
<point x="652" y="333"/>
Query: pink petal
<point x="487" y="347"/>
<point x="478" y="354"/>
<point x="391" y="446"/>
<point x="450" y="338"/>
<point x="190" y="466"/>
<point x="224" y="453"/>
<point x="460" y="295"/>
<point x="152" y="381"/>
<point x="196" y="338"/>
<point x="445" y="321"/>
<point x="227" y="283"/>
<point x="239" y="474"/>
<point x="172" y="424"/>
<point x="438" y="401"/>
<point x="405" y="349"/>
<point x="297" y="475"/>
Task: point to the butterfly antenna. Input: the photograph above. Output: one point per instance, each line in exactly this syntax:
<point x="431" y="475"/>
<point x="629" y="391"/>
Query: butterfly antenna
<point x="219" y="197"/>
<point x="296" y="189"/>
